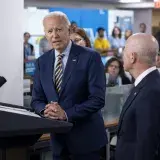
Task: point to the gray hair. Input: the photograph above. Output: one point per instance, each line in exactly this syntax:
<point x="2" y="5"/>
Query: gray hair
<point x="59" y="14"/>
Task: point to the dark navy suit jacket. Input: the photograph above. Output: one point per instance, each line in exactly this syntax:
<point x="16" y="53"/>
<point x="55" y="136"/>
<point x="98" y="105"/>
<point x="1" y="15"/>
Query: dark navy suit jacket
<point x="139" y="126"/>
<point x="82" y="96"/>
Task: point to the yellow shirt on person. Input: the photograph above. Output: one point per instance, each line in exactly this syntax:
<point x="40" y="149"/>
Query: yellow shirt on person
<point x="100" y="43"/>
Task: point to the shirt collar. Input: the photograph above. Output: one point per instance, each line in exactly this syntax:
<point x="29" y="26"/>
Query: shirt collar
<point x="66" y="51"/>
<point x="144" y="74"/>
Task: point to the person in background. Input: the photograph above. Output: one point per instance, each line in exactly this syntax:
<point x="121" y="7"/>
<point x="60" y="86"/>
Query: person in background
<point x="101" y="44"/>
<point x="158" y="61"/>
<point x="128" y="33"/>
<point x="157" y="36"/>
<point x="69" y="85"/>
<point x="73" y="26"/>
<point x="117" y="42"/>
<point x="28" y="48"/>
<point x="80" y="37"/>
<point x="139" y="130"/>
<point x="142" y="28"/>
<point x="115" y="74"/>
<point x="44" y="46"/>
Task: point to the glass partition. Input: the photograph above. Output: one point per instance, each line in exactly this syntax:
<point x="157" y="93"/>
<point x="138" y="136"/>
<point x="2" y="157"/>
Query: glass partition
<point x="114" y="100"/>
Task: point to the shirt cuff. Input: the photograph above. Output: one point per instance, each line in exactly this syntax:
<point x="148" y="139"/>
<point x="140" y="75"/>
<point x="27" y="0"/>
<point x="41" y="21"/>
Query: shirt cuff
<point x="42" y="113"/>
<point x="66" y="116"/>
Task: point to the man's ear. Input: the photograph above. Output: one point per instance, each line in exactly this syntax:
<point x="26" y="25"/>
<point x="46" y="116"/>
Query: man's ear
<point x="133" y="57"/>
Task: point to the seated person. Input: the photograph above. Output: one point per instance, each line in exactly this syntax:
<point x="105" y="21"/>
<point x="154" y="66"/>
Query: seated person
<point x="28" y="48"/>
<point x="158" y="61"/>
<point x="101" y="44"/>
<point x="80" y="37"/>
<point x="128" y="33"/>
<point x="158" y="56"/>
<point x="115" y="74"/>
<point x="116" y="40"/>
<point x="73" y="26"/>
<point x="44" y="46"/>
<point x="142" y="28"/>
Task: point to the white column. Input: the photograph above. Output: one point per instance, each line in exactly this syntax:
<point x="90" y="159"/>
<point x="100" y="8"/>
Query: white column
<point x="142" y="16"/>
<point x="11" y="51"/>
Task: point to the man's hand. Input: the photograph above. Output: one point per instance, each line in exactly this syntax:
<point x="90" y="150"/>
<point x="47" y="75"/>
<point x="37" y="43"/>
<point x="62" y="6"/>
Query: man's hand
<point x="54" y="111"/>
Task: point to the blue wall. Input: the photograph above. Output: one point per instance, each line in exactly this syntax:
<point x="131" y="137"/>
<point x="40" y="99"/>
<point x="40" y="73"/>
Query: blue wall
<point x="86" y="18"/>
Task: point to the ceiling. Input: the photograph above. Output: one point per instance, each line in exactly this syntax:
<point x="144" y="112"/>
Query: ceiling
<point x="106" y="1"/>
<point x="127" y="4"/>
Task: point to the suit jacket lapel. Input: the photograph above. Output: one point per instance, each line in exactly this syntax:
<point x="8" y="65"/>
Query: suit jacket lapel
<point x="71" y="63"/>
<point x="49" y="73"/>
<point x="134" y="93"/>
<point x="130" y="99"/>
<point x="127" y="104"/>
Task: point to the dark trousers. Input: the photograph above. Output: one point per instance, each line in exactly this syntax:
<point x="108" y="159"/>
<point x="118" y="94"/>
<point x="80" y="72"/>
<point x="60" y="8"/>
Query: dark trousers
<point x="88" y="156"/>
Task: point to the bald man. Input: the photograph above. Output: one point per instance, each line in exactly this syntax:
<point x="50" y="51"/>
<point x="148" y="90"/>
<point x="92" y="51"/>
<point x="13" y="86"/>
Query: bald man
<point x="139" y="124"/>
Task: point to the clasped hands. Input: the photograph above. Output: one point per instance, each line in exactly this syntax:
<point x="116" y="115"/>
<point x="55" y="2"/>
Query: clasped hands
<point x="54" y="111"/>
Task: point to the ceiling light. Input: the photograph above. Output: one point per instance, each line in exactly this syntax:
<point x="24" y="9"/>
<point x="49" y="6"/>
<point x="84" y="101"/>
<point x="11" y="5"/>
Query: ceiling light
<point x="130" y="1"/>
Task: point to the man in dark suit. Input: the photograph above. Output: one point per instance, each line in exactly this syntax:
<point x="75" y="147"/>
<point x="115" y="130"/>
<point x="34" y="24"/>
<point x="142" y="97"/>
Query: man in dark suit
<point x="139" y="124"/>
<point x="70" y="85"/>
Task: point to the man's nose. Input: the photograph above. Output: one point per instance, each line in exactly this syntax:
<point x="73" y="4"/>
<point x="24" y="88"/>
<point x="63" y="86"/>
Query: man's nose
<point x="55" y="34"/>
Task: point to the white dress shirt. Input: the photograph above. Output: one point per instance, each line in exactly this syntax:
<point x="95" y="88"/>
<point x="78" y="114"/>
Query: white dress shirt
<point x="144" y="74"/>
<point x="66" y="53"/>
<point x="65" y="58"/>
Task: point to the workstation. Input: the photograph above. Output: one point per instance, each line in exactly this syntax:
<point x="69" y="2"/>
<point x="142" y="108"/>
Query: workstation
<point x="37" y="140"/>
<point x="115" y="98"/>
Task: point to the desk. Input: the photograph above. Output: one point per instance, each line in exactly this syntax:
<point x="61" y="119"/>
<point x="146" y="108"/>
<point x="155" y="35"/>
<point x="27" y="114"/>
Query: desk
<point x="43" y="143"/>
<point x="111" y="127"/>
<point x="108" y="125"/>
<point x="111" y="123"/>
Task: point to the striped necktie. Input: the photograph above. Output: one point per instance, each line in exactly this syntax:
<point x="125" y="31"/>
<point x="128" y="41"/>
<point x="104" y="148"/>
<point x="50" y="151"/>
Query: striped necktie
<point x="59" y="73"/>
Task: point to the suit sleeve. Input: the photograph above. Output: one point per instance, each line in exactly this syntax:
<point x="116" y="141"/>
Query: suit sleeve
<point x="148" y="121"/>
<point x="96" y="89"/>
<point x="39" y="100"/>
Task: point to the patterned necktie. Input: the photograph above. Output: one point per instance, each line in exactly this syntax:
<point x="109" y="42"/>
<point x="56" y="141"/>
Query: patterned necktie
<point x="59" y="73"/>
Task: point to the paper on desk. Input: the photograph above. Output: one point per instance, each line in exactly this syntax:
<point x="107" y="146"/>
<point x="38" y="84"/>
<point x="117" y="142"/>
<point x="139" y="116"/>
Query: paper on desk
<point x="18" y="111"/>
